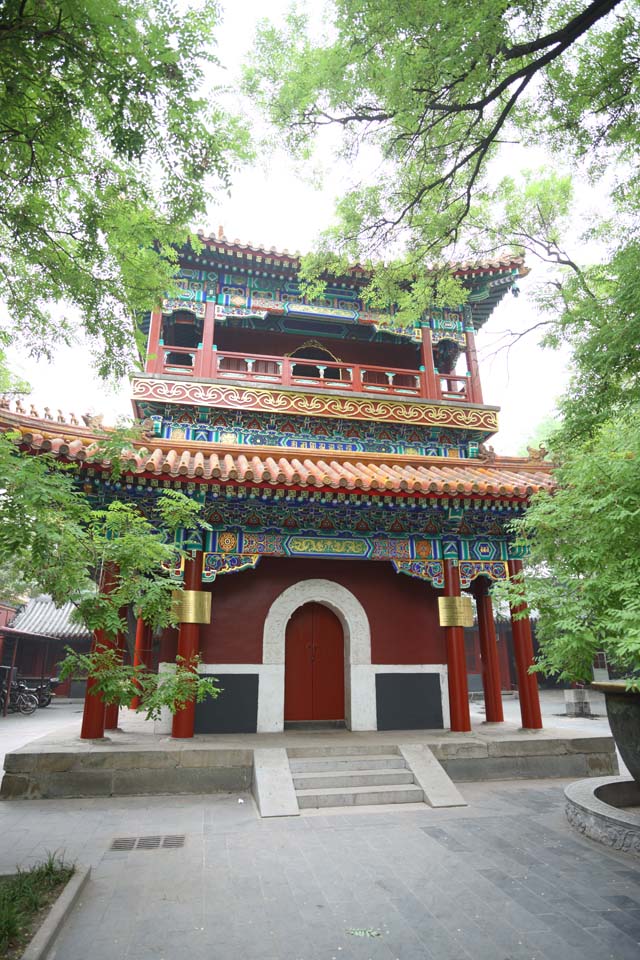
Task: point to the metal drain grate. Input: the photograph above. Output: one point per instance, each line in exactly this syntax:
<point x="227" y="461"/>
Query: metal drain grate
<point x="170" y="842"/>
<point x="123" y="843"/>
<point x="148" y="843"/>
<point x="174" y="841"/>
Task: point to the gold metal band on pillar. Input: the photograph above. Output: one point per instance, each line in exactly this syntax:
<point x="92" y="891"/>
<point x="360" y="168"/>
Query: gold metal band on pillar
<point x="192" y="606"/>
<point x="455" y="611"/>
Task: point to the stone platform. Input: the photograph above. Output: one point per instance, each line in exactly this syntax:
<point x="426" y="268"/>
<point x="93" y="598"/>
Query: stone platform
<point x="136" y="761"/>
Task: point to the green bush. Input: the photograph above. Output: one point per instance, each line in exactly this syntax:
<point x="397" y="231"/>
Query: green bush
<point x="23" y="895"/>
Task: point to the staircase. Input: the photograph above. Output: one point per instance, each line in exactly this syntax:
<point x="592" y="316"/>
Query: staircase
<point x="349" y="776"/>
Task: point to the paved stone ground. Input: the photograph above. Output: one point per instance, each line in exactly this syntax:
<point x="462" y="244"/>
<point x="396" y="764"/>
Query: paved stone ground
<point x="504" y="879"/>
<point x="16" y="730"/>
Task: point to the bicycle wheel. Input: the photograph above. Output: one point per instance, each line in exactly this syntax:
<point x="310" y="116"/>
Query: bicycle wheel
<point x="27" y="703"/>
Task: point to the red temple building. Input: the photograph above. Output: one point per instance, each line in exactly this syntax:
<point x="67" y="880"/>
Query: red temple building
<point x="343" y="468"/>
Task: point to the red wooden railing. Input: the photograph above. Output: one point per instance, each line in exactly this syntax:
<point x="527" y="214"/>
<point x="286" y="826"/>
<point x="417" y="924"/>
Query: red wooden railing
<point x="194" y="362"/>
<point x="329" y="375"/>
<point x="452" y="387"/>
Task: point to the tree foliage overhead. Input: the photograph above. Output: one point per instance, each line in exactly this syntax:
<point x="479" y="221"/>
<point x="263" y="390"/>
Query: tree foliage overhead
<point x="440" y="90"/>
<point x="109" y="145"/>
<point x="438" y="87"/>
<point x="592" y="307"/>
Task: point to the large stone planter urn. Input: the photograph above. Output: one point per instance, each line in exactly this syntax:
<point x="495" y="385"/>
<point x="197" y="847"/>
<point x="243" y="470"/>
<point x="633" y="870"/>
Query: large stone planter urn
<point x="623" y="710"/>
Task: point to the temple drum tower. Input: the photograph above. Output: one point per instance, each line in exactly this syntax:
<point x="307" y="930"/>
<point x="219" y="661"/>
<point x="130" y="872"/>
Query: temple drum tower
<point x="355" y="510"/>
<point x="352" y="500"/>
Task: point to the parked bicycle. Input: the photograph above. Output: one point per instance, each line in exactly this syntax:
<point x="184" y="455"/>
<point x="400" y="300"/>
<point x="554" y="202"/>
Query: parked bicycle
<point x="21" y="699"/>
<point x="41" y="688"/>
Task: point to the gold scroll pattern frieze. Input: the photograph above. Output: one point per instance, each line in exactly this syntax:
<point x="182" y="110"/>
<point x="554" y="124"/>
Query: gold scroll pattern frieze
<point x="314" y="405"/>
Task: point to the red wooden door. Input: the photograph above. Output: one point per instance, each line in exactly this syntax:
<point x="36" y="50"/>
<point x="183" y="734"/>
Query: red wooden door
<point x="314" y="665"/>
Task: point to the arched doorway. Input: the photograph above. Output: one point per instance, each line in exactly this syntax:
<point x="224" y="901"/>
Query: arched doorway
<point x="360" y="705"/>
<point x="314" y="665"/>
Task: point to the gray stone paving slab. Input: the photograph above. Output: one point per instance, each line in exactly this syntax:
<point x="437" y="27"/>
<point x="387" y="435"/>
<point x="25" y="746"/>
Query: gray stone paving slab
<point x="502" y="879"/>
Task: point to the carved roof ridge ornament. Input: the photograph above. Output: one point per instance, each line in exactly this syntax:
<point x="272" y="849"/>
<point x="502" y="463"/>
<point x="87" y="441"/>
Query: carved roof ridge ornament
<point x="486" y="454"/>
<point x="93" y="422"/>
<point x="537" y="455"/>
<point x="465" y="267"/>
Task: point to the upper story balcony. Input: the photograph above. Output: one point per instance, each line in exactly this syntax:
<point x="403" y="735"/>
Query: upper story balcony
<point x="185" y="348"/>
<point x="260" y="369"/>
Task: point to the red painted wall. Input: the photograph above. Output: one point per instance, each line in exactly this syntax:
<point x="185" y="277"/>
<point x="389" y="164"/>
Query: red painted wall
<point x="7" y="613"/>
<point x="167" y="647"/>
<point x="505" y="658"/>
<point x="402" y="612"/>
<point x="402" y="356"/>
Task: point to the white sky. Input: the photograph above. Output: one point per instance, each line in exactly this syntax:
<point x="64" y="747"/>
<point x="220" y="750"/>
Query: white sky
<point x="270" y="204"/>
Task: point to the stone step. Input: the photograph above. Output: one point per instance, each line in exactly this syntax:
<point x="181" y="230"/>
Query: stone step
<point x="351" y="778"/>
<point x="359" y="796"/>
<point x="390" y="761"/>
<point x="343" y="750"/>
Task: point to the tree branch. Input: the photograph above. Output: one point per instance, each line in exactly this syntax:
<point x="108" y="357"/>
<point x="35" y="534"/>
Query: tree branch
<point x="574" y="28"/>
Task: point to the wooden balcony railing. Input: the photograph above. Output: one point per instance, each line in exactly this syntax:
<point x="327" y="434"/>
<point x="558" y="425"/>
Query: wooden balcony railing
<point x="295" y="372"/>
<point x="193" y="362"/>
<point x="452" y="387"/>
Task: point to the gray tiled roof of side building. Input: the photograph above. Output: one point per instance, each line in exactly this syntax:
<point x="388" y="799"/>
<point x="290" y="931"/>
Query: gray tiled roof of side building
<point x="41" y="616"/>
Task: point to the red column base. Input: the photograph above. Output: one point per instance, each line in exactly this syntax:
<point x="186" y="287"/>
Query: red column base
<point x="523" y="653"/>
<point x="93" y="715"/>
<point x="188" y="647"/>
<point x="184" y="723"/>
<point x="489" y="655"/>
<point x="456" y="659"/>
<point x="141" y="653"/>
<point x="111" y="714"/>
<point x="460" y="721"/>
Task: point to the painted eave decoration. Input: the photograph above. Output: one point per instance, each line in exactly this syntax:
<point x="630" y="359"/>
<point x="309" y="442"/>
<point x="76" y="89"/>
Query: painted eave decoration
<point x="188" y="462"/>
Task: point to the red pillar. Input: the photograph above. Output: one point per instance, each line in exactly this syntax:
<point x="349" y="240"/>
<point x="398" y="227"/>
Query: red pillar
<point x="188" y="645"/>
<point x="523" y="652"/>
<point x="456" y="659"/>
<point x="208" y="335"/>
<point x="489" y="653"/>
<point x="475" y="387"/>
<point x="155" y="357"/>
<point x="431" y="381"/>
<point x="112" y="710"/>
<point x="141" y="652"/>
<point x="94" y="709"/>
<point x="10" y="674"/>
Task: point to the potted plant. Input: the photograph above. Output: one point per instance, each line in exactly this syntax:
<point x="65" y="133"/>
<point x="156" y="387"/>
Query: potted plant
<point x="623" y="711"/>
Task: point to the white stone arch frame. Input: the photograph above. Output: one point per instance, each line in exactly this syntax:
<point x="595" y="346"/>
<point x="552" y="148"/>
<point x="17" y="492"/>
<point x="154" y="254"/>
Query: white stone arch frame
<point x="360" y="700"/>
